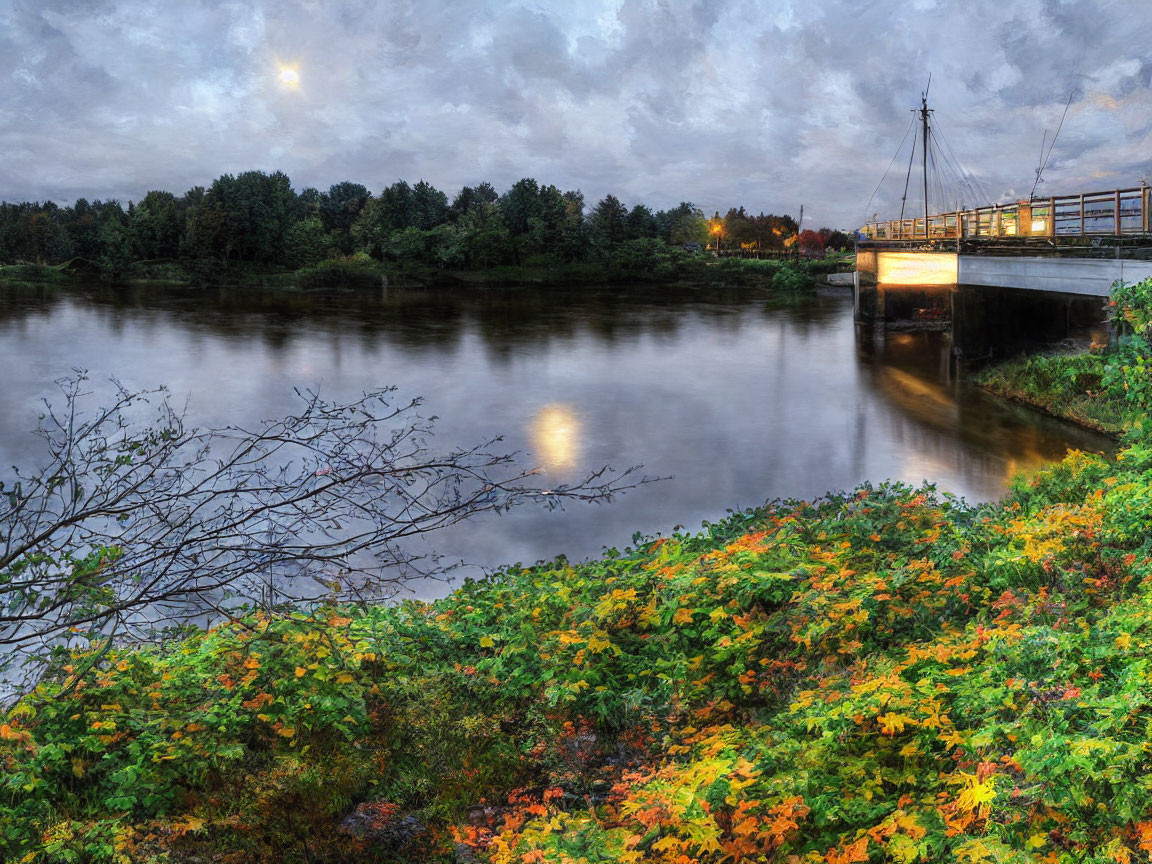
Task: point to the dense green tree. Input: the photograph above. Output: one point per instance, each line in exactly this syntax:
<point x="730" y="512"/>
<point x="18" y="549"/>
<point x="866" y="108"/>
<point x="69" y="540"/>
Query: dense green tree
<point x="470" y="198"/>
<point x="88" y="224"/>
<point x="33" y="232"/>
<point x="158" y="225"/>
<point x="641" y="223"/>
<point x="310" y="201"/>
<point x="119" y="247"/>
<point x="609" y="222"/>
<point x="484" y="237"/>
<point x="835" y="239"/>
<point x="339" y="208"/>
<point x="308" y="242"/>
<point x="244" y="218"/>
<point x="257" y="218"/>
<point x="520" y="204"/>
<point x="574" y="237"/>
<point x="738" y="229"/>
<point x="684" y="223"/>
<point x="429" y="206"/>
<point x="392" y="210"/>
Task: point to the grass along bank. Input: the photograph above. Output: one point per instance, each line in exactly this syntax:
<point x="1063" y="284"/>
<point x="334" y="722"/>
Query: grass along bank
<point x="1109" y="389"/>
<point x="636" y="261"/>
<point x="885" y="674"/>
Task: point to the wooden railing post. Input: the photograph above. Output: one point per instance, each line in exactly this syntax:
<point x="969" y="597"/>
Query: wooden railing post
<point x="1081" y="214"/>
<point x="1116" y="218"/>
<point x="1144" y="206"/>
<point x="1052" y="217"/>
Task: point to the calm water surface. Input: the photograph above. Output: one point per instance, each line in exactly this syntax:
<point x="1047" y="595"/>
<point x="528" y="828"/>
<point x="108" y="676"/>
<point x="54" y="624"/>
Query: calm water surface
<point x="738" y="399"/>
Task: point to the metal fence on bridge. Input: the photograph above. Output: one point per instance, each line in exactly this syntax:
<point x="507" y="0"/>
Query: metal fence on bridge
<point x="1119" y="213"/>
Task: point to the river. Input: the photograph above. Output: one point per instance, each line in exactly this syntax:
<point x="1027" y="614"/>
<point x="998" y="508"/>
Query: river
<point x="735" y="398"/>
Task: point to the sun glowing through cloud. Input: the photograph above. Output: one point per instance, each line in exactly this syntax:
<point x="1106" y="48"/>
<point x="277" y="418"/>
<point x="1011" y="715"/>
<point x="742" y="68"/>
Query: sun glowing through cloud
<point x="289" y="76"/>
<point x="556" y="437"/>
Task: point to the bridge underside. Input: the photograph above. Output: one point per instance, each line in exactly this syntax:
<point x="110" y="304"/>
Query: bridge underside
<point x="1092" y="277"/>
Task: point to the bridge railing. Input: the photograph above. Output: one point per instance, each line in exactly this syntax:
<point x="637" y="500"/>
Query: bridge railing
<point x="1118" y="213"/>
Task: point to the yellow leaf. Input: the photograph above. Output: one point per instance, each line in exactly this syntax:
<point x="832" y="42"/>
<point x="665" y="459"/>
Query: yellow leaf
<point x="301" y="671"/>
<point x="975" y="794"/>
<point x="286" y="731"/>
<point x="487" y="642"/>
<point x="892" y="724"/>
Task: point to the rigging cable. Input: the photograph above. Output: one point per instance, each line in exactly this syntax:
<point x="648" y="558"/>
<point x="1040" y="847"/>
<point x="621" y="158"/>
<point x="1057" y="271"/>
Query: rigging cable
<point x="1044" y="163"/>
<point x="895" y="156"/>
<point x="955" y="181"/>
<point x="967" y="178"/>
<point x="971" y="180"/>
<point x="907" y="178"/>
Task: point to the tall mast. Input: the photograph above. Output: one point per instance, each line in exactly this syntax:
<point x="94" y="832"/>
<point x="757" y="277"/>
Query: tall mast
<point x="924" y="112"/>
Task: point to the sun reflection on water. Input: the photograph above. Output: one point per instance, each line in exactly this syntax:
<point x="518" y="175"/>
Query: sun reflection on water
<point x="556" y="437"/>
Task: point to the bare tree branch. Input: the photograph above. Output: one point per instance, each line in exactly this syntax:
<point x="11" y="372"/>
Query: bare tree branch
<point x="132" y="527"/>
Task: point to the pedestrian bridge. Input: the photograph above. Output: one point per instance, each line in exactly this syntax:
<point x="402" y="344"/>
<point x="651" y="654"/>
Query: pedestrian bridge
<point x="1088" y="276"/>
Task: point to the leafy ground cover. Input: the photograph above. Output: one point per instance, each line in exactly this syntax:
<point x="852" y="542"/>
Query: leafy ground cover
<point x="881" y="675"/>
<point x="1108" y="388"/>
<point x="886" y="674"/>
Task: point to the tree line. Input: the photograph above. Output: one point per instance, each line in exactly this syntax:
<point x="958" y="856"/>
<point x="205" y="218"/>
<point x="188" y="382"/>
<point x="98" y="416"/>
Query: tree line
<point x="257" y="218"/>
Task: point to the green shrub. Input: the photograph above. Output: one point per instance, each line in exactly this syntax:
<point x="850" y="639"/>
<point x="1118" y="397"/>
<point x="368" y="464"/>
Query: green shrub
<point x="356" y="271"/>
<point x="790" y="279"/>
<point x="1132" y="305"/>
<point x="31" y="273"/>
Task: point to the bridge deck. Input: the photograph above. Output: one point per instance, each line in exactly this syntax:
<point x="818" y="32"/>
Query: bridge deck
<point x="1118" y="213"/>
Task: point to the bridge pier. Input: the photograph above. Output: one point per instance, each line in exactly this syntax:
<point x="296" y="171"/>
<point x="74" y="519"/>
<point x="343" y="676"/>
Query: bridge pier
<point x="993" y="306"/>
<point x="1085" y="276"/>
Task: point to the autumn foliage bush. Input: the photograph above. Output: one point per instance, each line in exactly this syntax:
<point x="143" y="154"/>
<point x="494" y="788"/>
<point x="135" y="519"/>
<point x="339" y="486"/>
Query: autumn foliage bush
<point x="882" y="675"/>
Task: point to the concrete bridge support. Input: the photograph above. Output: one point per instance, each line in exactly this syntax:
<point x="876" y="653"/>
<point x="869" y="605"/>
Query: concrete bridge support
<point x="1092" y="277"/>
<point x="993" y="306"/>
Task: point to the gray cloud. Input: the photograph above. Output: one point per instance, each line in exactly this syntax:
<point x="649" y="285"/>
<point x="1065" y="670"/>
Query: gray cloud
<point x="765" y="104"/>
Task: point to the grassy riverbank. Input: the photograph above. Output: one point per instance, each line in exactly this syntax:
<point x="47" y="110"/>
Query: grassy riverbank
<point x="881" y="675"/>
<point x="1070" y="386"/>
<point x="1108" y="388"/>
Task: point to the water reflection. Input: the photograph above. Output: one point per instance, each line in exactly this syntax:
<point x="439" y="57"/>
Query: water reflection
<point x="556" y="438"/>
<point x="735" y="399"/>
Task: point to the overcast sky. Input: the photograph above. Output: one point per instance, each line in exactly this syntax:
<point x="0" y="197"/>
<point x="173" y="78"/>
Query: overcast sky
<point x="769" y="104"/>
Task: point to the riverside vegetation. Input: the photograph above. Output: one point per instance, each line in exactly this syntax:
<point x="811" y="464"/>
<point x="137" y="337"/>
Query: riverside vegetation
<point x="255" y="228"/>
<point x="881" y="675"/>
<point x="1107" y="388"/>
